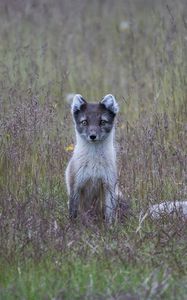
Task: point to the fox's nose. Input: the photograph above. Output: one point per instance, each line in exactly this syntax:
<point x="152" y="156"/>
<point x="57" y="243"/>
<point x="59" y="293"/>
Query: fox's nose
<point x="93" y="137"/>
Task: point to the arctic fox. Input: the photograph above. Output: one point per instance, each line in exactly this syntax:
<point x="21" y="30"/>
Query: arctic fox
<point x="91" y="174"/>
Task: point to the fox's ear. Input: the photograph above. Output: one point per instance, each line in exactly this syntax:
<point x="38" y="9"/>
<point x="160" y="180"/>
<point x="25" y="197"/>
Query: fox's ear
<point x="110" y="103"/>
<point x="78" y="101"/>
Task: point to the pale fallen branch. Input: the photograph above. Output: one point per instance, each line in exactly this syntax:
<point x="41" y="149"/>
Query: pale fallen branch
<point x="164" y="209"/>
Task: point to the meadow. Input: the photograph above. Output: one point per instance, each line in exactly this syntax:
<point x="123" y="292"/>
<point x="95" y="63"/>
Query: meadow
<point x="49" y="50"/>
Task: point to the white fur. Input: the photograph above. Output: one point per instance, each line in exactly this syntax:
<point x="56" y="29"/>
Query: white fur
<point x="93" y="162"/>
<point x="110" y="103"/>
<point x="91" y="171"/>
<point x="77" y="103"/>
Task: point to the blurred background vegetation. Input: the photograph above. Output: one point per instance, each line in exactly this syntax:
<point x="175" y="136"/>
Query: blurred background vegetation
<point x="49" y="50"/>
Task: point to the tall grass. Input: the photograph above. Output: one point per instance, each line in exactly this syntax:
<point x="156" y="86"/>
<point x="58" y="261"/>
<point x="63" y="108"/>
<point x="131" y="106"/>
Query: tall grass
<point x="47" y="51"/>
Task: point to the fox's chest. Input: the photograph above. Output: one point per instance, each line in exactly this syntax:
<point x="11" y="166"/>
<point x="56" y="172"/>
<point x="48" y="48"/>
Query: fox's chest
<point x="94" y="169"/>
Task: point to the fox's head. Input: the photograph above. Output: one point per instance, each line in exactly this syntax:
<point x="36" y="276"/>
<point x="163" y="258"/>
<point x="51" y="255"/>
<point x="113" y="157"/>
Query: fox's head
<point x="94" y="121"/>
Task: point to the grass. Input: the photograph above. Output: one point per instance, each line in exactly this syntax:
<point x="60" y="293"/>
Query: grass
<point x="48" y="51"/>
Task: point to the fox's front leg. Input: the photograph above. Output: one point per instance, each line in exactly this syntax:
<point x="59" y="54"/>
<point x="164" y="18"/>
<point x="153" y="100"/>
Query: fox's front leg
<point x="73" y="191"/>
<point x="74" y="199"/>
<point x="110" y="203"/>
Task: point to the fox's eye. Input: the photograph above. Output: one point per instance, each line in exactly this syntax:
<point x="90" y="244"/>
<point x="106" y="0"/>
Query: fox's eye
<point x="103" y="122"/>
<point x="84" y="123"/>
